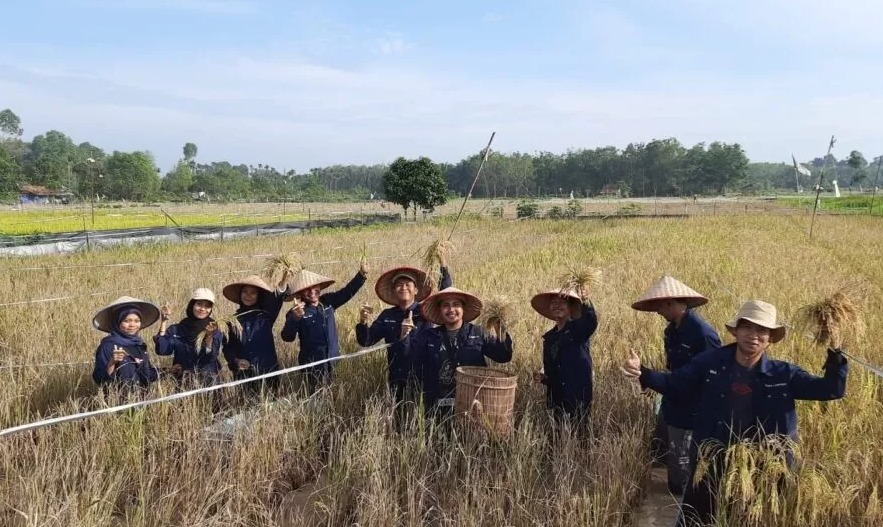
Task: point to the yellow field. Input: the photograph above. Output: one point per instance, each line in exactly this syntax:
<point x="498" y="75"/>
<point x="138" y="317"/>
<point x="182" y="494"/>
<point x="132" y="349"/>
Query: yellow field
<point x="339" y="459"/>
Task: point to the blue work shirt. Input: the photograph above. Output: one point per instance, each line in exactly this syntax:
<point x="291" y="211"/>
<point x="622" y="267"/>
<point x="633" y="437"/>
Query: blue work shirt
<point x="774" y="389"/>
<point x="683" y="342"/>
<point x="129" y="372"/>
<point x="388" y="326"/>
<point x="567" y="362"/>
<point x="255" y="343"/>
<point x="204" y="360"/>
<point x="473" y="344"/>
<point x="317" y="329"/>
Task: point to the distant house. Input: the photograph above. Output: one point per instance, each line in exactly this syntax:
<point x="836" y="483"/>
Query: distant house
<point x="610" y="191"/>
<point x="36" y="195"/>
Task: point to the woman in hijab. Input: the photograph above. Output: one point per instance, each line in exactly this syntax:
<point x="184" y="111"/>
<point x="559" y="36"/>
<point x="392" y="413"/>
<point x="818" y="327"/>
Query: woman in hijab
<point x="192" y="361"/>
<point x="121" y="359"/>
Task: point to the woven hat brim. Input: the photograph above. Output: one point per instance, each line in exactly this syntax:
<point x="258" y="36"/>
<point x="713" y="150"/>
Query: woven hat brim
<point x="431" y="311"/>
<point x="321" y="285"/>
<point x="233" y="291"/>
<point x="104" y="320"/>
<point x="541" y="303"/>
<point x="650" y="304"/>
<point x="384" y="288"/>
<point x="777" y="332"/>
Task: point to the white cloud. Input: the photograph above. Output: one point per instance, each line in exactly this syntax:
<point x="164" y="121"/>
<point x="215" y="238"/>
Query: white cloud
<point x="391" y="44"/>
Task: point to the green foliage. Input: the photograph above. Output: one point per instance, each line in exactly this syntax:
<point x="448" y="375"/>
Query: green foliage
<point x="132" y="175"/>
<point x="190" y="151"/>
<point x="574" y="208"/>
<point x="555" y="213"/>
<point x="526" y="208"/>
<point x="51" y="159"/>
<point x="413" y="183"/>
<point x="179" y="180"/>
<point x="10" y="124"/>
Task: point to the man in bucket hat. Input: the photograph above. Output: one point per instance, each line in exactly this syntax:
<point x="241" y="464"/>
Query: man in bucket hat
<point x="743" y="395"/>
<point x="403" y="288"/>
<point x="312" y="320"/>
<point x="438" y="351"/>
<point x="686" y="336"/>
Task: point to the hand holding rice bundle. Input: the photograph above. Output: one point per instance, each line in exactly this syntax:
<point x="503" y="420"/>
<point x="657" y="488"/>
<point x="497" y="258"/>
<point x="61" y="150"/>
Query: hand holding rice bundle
<point x="836" y="320"/>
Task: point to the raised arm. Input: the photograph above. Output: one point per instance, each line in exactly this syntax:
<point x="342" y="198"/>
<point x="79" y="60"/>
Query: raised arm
<point x="445" y="280"/>
<point x="498" y="350"/>
<point x="682" y="382"/>
<point x="585" y="325"/>
<point x="343" y="295"/>
<point x="830" y="386"/>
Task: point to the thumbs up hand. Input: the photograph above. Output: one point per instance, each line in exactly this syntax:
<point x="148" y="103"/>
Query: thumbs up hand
<point x="119" y="354"/>
<point x="298" y="310"/>
<point x="364" y="313"/>
<point x="408" y="324"/>
<point x="632" y="366"/>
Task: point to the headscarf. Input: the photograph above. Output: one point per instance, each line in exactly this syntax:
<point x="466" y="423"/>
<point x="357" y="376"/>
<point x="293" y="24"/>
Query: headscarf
<point x="190" y="327"/>
<point x="121" y="339"/>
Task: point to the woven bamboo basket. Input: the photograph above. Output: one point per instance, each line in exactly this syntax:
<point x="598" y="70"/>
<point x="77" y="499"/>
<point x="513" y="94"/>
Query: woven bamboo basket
<point x="486" y="396"/>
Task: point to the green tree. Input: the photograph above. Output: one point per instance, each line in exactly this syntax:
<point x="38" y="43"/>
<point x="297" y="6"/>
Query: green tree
<point x="132" y="175"/>
<point x="190" y="151"/>
<point x="413" y="183"/>
<point x="179" y="180"/>
<point x="857" y="163"/>
<point x="51" y="160"/>
<point x="10" y="124"/>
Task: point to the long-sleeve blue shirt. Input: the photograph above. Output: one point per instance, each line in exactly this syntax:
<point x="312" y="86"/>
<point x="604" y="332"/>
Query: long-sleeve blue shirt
<point x="129" y="372"/>
<point x="204" y="360"/>
<point x="317" y="329"/>
<point x="255" y="343"/>
<point x="388" y="326"/>
<point x="775" y="387"/>
<point x="683" y="342"/>
<point x="473" y="344"/>
<point x="567" y="362"/>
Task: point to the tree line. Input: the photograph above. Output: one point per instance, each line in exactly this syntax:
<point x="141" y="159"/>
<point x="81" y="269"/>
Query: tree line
<point x="663" y="167"/>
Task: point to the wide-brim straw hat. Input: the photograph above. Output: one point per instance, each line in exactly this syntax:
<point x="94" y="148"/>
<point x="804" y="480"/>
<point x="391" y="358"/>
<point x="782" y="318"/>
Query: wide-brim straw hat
<point x="431" y="307"/>
<point x="305" y="280"/>
<point x="668" y="288"/>
<point x="233" y="291"/>
<point x="105" y="319"/>
<point x="385" y="285"/>
<point x="761" y="313"/>
<point x="203" y="293"/>
<point x="542" y="302"/>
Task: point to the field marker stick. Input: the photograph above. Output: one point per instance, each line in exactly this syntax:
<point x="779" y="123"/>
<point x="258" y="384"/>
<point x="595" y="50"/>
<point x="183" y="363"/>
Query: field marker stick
<point x="876" y="181"/>
<point x="487" y="152"/>
<point x="819" y="186"/>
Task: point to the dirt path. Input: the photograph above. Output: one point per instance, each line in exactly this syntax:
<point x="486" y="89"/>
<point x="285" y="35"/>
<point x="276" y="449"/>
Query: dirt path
<point x="660" y="508"/>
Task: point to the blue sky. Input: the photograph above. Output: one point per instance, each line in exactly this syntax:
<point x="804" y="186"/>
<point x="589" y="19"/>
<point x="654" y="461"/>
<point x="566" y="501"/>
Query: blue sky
<point x="305" y="84"/>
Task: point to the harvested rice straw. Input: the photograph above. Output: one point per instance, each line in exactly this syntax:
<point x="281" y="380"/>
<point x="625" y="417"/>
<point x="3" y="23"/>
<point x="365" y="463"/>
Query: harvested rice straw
<point x="498" y="312"/>
<point x="578" y="278"/>
<point x="282" y="268"/>
<point x="363" y="256"/>
<point x="437" y="252"/>
<point x="837" y="319"/>
<point x="225" y="325"/>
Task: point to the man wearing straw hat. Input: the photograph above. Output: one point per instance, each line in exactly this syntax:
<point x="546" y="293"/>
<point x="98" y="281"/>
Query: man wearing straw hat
<point x="403" y="288"/>
<point x="121" y="358"/>
<point x="686" y="336"/>
<point x="438" y="351"/>
<point x="567" y="358"/>
<point x="312" y="320"/>
<point x="743" y="395"/>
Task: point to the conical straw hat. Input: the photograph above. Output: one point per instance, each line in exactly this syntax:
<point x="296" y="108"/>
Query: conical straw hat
<point x="232" y="291"/>
<point x="105" y="319"/>
<point x="305" y="280"/>
<point x="761" y="313"/>
<point x="668" y="288"/>
<point x="541" y="302"/>
<point x="431" y="307"/>
<point x="384" y="287"/>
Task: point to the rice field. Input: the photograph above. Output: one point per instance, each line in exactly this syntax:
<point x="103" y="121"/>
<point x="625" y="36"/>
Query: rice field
<point x="341" y="457"/>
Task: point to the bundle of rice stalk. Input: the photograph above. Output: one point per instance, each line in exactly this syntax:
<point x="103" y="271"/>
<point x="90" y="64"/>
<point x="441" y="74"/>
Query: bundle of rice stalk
<point x="580" y="278"/>
<point x="434" y="255"/>
<point x="837" y="319"/>
<point x="282" y="268"/>
<point x="363" y="256"/>
<point x="225" y="325"/>
<point x="497" y="313"/>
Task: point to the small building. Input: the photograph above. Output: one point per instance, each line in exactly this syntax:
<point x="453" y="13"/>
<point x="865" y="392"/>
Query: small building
<point x="37" y="195"/>
<point x="610" y="190"/>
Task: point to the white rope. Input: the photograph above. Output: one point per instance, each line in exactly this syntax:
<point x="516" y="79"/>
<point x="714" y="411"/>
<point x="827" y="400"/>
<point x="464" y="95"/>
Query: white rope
<point x="180" y="395"/>
<point x="51" y="364"/>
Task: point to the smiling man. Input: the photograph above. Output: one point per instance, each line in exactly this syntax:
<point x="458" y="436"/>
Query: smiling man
<point x="743" y="395"/>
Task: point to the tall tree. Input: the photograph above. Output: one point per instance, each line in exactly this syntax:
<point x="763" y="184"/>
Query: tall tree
<point x="179" y="180"/>
<point x="190" y="151"/>
<point x="856" y="161"/>
<point x="132" y="175"/>
<point x="413" y="183"/>
<point x="51" y="160"/>
<point x="10" y="124"/>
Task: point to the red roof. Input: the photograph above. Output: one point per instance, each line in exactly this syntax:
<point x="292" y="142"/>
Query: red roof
<point x="36" y="190"/>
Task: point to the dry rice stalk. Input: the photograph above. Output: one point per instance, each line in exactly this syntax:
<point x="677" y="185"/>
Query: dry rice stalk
<point x="498" y="312"/>
<point x="579" y="278"/>
<point x="226" y="325"/>
<point x="282" y="268"/>
<point x="363" y="256"/>
<point x="837" y="319"/>
<point x="437" y="252"/>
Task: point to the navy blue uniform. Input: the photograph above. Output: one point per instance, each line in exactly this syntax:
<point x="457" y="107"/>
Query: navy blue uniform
<point x="255" y="343"/>
<point x="129" y="373"/>
<point x="567" y="364"/>
<point x="202" y="362"/>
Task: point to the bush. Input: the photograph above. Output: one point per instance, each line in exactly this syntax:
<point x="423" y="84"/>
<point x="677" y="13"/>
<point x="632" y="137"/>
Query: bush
<point x="496" y="212"/>
<point x="555" y="213"/>
<point x="574" y="209"/>
<point x="526" y="208"/>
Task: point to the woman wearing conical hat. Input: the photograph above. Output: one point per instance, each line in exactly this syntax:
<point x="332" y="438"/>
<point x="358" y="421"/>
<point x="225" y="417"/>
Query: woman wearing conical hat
<point x="686" y="336"/>
<point x="191" y="360"/>
<point x="252" y="351"/>
<point x="403" y="288"/>
<point x="567" y="358"/>
<point x="121" y="359"/>
<point x="743" y="395"/>
<point x="312" y="320"/>
<point x="438" y="351"/>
